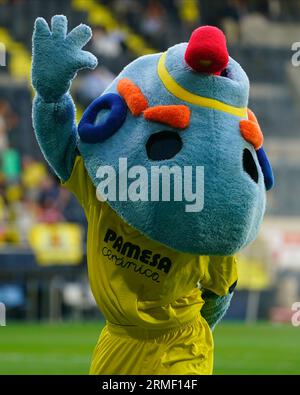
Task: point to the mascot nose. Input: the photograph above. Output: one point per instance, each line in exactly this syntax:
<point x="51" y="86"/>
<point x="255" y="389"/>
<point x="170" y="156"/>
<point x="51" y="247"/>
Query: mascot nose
<point x="207" y="51"/>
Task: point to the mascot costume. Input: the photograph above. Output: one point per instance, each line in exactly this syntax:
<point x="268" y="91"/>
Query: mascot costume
<point x="162" y="275"/>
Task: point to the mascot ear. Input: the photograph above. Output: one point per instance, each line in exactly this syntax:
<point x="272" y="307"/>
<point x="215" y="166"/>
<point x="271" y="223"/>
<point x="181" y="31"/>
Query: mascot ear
<point x="92" y="133"/>
<point x="266" y="168"/>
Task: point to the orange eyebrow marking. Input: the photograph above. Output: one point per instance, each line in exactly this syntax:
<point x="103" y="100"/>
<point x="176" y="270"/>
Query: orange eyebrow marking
<point x="251" y="130"/>
<point x="177" y="116"/>
<point x="251" y="116"/>
<point x="133" y="96"/>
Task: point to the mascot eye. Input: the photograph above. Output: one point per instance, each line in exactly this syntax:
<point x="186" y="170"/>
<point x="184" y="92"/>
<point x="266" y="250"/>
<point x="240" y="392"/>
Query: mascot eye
<point x="249" y="165"/>
<point x="163" y="145"/>
<point x="92" y="133"/>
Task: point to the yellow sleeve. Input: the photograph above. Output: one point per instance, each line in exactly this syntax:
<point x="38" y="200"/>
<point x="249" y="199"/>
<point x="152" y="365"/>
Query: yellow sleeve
<point x="219" y="274"/>
<point x="81" y="185"/>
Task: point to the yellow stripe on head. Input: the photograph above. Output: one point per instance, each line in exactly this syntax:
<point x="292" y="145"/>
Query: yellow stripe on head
<point x="178" y="91"/>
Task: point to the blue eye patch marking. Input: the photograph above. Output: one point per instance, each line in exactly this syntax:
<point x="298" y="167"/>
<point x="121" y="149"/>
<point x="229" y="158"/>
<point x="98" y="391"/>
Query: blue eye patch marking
<point x="266" y="168"/>
<point x="91" y="133"/>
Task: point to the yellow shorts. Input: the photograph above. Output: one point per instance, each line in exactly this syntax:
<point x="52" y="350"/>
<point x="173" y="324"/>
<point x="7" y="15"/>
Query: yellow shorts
<point x="136" y="351"/>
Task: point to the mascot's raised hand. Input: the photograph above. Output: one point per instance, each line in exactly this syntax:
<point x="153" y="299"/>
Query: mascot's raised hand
<point x="57" y="56"/>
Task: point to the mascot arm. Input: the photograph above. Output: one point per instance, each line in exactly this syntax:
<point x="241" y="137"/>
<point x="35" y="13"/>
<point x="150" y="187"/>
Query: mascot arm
<point x="215" y="307"/>
<point x="217" y="285"/>
<point x="55" y="132"/>
<point x="57" y="56"/>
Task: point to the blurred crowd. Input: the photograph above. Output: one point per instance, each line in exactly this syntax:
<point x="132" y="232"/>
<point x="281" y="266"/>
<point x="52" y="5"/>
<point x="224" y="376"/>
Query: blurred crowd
<point x="29" y="192"/>
<point x="163" y="22"/>
<point x="89" y="85"/>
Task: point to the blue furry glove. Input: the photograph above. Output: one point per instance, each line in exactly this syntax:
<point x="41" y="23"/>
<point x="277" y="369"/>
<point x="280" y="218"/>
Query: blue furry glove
<point x="215" y="307"/>
<point x="58" y="56"/>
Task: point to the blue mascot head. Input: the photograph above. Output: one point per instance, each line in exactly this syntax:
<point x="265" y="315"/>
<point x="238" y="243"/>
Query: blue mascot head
<point x="182" y="115"/>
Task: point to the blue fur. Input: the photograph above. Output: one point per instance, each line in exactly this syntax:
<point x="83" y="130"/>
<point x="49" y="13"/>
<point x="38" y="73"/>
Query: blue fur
<point x="90" y="133"/>
<point x="215" y="307"/>
<point x="266" y="168"/>
<point x="55" y="132"/>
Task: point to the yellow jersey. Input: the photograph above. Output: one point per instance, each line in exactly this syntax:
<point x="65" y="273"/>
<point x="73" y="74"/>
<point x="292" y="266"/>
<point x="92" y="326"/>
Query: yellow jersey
<point x="137" y="281"/>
